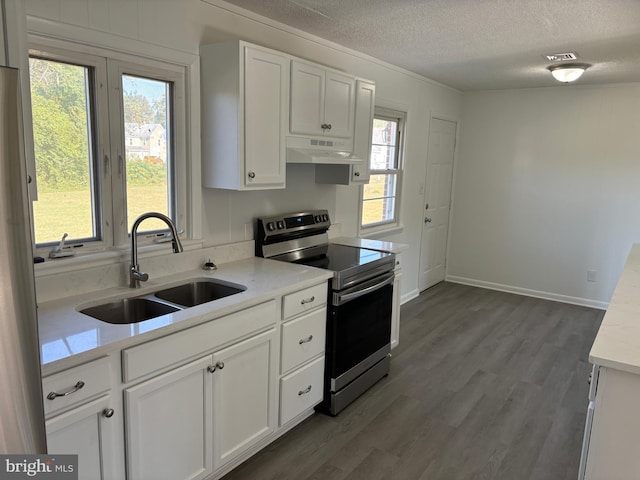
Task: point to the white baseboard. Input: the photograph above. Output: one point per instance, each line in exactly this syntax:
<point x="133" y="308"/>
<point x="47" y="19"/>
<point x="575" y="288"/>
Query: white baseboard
<point x="585" y="302"/>
<point x="409" y="296"/>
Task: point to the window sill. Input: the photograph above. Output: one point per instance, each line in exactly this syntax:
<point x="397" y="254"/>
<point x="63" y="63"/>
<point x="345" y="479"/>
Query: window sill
<point x="106" y="257"/>
<point x="380" y="231"/>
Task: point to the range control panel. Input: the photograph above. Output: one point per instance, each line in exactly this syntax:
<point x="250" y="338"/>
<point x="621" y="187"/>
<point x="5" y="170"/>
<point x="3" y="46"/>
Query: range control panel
<point x="295" y="221"/>
<point x="291" y="225"/>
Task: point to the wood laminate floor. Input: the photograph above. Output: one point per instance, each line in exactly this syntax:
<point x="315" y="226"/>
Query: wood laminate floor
<point x="484" y="385"/>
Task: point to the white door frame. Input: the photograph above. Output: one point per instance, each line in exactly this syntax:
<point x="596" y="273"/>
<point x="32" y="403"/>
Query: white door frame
<point x="432" y="116"/>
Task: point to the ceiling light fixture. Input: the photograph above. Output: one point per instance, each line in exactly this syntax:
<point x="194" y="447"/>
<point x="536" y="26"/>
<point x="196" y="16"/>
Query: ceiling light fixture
<point x="569" y="72"/>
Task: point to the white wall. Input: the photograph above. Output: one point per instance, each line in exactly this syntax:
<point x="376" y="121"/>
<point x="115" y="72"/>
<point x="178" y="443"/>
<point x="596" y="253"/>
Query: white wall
<point x="182" y="26"/>
<point x="547" y="186"/>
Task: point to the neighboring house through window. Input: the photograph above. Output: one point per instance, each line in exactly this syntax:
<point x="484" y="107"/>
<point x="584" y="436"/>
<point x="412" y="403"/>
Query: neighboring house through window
<point x="380" y="198"/>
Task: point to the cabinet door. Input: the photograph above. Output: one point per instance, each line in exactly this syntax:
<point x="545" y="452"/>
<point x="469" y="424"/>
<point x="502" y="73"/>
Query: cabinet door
<point x="365" y="104"/>
<point x="244" y="398"/>
<point x="169" y="425"/>
<point x="265" y="115"/>
<point x="90" y="432"/>
<point x="307" y="99"/>
<point x="339" y="105"/>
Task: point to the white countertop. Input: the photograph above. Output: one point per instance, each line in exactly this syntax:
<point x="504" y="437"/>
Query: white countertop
<point x="68" y="337"/>
<point x="617" y="344"/>
<point x="378" y="245"/>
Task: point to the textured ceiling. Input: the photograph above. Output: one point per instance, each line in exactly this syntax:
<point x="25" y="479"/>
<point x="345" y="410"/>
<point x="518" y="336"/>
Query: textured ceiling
<point x="476" y="44"/>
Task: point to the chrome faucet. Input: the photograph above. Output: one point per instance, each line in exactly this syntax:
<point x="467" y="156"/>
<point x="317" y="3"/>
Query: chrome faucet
<point x="135" y="275"/>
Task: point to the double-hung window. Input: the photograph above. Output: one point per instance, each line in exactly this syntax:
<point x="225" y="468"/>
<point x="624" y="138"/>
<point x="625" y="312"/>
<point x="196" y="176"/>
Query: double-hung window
<point x="109" y="144"/>
<point x="380" y="199"/>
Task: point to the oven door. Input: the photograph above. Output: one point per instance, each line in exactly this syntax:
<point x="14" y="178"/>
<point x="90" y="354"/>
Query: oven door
<point x="359" y="329"/>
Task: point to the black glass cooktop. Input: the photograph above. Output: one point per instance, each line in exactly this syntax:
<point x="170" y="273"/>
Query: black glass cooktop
<point x="339" y="258"/>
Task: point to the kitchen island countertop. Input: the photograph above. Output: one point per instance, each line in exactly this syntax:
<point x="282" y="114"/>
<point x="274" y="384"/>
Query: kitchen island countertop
<point x="617" y="344"/>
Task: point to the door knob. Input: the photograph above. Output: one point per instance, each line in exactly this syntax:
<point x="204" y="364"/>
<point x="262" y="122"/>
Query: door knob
<point x="427" y="220"/>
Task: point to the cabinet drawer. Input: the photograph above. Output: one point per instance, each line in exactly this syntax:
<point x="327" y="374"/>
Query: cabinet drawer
<point x="159" y="354"/>
<point x="303" y="339"/>
<point x="78" y="383"/>
<point x="301" y="390"/>
<point x="304" y="300"/>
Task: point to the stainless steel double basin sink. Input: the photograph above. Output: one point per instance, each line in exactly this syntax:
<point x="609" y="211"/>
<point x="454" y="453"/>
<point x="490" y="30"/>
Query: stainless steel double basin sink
<point x="162" y="302"/>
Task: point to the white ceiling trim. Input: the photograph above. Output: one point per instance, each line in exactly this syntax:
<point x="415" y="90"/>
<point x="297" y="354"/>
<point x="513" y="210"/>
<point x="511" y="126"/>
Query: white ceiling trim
<point x="249" y="15"/>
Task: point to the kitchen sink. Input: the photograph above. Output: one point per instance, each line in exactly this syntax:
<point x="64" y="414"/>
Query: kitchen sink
<point x="129" y="310"/>
<point x="198" y="292"/>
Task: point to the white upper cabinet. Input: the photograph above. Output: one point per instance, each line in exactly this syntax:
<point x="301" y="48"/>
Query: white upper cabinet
<point x="244" y="116"/>
<point x="358" y="172"/>
<point x="365" y="105"/>
<point x="322" y="101"/>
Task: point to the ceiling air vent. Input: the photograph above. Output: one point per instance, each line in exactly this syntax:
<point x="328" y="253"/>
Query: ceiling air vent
<point x="561" y="57"/>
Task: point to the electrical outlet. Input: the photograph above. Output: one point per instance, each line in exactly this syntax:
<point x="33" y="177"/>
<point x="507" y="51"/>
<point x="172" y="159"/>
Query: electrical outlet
<point x="591" y="275"/>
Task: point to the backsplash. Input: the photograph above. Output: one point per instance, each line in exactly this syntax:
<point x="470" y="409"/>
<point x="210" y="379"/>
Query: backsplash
<point x="56" y="285"/>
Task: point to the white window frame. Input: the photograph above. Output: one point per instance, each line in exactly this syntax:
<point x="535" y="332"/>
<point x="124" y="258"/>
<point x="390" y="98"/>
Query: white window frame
<point x="109" y="66"/>
<point x="387" y="226"/>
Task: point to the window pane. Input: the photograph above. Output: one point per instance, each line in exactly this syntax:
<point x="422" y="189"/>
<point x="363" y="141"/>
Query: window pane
<point x="379" y="199"/>
<point x="381" y="185"/>
<point x="383" y="148"/>
<point x="379" y="210"/>
<point x="147" y="130"/>
<point x="62" y="134"/>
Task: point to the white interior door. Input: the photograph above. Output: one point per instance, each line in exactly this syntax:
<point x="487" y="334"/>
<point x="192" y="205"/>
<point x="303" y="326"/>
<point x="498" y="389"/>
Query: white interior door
<point x="442" y="142"/>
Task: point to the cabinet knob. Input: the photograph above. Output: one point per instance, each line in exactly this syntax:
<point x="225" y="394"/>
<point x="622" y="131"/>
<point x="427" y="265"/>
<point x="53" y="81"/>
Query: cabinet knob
<point x="108" y="412"/>
<point x="217" y="366"/>
<point x="427" y="220"/>
<point x="329" y="127"/>
<point x="251" y="174"/>
<point x="356" y="174"/>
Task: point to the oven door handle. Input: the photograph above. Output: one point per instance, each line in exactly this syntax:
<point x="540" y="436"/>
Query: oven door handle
<point x="339" y="299"/>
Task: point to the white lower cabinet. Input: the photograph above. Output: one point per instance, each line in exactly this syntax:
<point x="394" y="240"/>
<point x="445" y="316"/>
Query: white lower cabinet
<point x="169" y="425"/>
<point x="301" y="390"/>
<point x="204" y="414"/>
<point x="611" y="442"/>
<point x="244" y="396"/>
<point x="395" y="306"/>
<point x="90" y="432"/>
<point x="195" y="403"/>
<point x="304" y="316"/>
<point x="83" y="417"/>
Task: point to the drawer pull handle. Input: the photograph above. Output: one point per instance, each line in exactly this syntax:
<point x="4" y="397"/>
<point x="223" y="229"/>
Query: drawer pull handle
<point x="305" y="340"/>
<point x="305" y="391"/>
<point x="108" y="412"/>
<point x="74" y="389"/>
<point x="217" y="366"/>
<point x="307" y="300"/>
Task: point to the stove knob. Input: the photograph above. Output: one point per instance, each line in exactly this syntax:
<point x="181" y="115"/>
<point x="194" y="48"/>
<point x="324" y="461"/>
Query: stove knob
<point x="271" y="226"/>
<point x="280" y="224"/>
<point x="317" y="218"/>
<point x="325" y="217"/>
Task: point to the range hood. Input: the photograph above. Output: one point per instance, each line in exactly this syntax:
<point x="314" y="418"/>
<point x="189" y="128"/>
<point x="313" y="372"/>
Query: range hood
<point x="321" y="151"/>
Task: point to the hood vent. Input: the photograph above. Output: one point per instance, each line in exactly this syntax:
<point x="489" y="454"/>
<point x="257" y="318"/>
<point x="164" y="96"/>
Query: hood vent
<point x="321" y="151"/>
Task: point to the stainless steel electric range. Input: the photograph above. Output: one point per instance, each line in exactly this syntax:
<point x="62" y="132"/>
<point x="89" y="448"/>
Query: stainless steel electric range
<point x="357" y="352"/>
